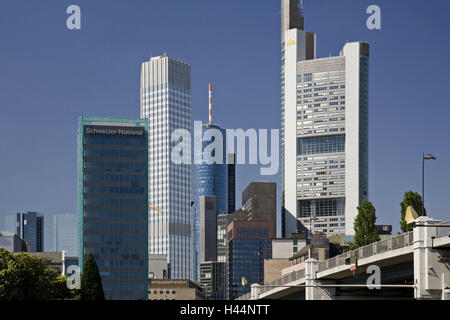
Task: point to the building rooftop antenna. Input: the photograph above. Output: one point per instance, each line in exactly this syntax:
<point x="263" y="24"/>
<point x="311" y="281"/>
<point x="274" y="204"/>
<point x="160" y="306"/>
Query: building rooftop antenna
<point x="210" y="103"/>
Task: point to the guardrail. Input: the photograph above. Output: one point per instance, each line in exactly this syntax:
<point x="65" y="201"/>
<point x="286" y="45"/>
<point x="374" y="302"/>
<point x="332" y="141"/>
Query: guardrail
<point x="443" y="231"/>
<point x="394" y="242"/>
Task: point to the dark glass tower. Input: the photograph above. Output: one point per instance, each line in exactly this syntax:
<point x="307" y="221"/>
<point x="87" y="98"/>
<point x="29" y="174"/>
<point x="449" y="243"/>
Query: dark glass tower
<point x="28" y="226"/>
<point x="113" y="203"/>
<point x="249" y="243"/>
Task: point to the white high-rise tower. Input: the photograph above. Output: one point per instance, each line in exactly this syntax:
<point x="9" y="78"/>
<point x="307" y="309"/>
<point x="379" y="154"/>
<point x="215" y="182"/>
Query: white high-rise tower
<point x="324" y="114"/>
<point x="166" y="103"/>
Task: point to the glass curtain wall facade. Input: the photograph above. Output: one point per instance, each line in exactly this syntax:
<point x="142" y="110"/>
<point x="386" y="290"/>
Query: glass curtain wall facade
<point x="28" y="226"/>
<point x="249" y="243"/>
<point x="65" y="234"/>
<point x="213" y="279"/>
<point x="113" y="203"/>
<point x="166" y="103"/>
<point x="211" y="180"/>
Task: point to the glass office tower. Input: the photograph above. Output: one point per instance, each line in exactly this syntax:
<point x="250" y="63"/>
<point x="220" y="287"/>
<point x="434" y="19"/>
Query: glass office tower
<point x="113" y="203"/>
<point x="166" y="103"/>
<point x="249" y="243"/>
<point x="65" y="234"/>
<point x="324" y="139"/>
<point x="28" y="226"/>
<point x="216" y="179"/>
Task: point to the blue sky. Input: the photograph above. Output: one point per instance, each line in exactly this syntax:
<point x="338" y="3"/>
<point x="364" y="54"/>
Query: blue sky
<point x="50" y="75"/>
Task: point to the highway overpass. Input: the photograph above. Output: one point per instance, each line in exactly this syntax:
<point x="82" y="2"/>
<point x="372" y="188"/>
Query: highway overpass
<point x="412" y="265"/>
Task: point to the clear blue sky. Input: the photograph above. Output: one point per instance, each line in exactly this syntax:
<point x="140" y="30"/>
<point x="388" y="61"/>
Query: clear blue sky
<point x="50" y="75"/>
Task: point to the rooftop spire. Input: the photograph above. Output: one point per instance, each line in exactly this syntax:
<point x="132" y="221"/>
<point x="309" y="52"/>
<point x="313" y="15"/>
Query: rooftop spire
<point x="210" y="103"/>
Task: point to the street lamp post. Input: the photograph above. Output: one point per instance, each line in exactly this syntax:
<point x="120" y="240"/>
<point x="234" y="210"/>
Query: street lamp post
<point x="424" y="157"/>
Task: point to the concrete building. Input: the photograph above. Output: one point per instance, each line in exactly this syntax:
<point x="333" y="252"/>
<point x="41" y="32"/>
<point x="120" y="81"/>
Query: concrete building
<point x="259" y="199"/>
<point x="249" y="243"/>
<point x="213" y="278"/>
<point x="273" y="269"/>
<point x="12" y="242"/>
<point x="223" y="220"/>
<point x="175" y="289"/>
<point x="286" y="247"/>
<point x="113" y="203"/>
<point x="324" y="138"/>
<point x="166" y="103"/>
<point x="65" y="234"/>
<point x="208" y="228"/>
<point x="54" y="260"/>
<point x="282" y="251"/>
<point x="28" y="226"/>
<point x="158" y="267"/>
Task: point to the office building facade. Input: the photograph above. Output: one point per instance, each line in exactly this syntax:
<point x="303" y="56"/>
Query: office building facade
<point x="158" y="267"/>
<point x="249" y="243"/>
<point x="28" y="226"/>
<point x="210" y="179"/>
<point x="175" y="289"/>
<point x="65" y="234"/>
<point x="166" y="103"/>
<point x="213" y="279"/>
<point x="324" y="142"/>
<point x="223" y="220"/>
<point x="12" y="242"/>
<point x="259" y="199"/>
<point x="113" y="203"/>
<point x="208" y="227"/>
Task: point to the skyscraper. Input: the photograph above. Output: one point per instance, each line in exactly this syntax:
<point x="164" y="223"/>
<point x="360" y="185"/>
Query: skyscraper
<point x="211" y="179"/>
<point x="213" y="278"/>
<point x="28" y="226"/>
<point x="259" y="200"/>
<point x="65" y="234"/>
<point x="324" y="116"/>
<point x="249" y="243"/>
<point x="166" y="103"/>
<point x="113" y="203"/>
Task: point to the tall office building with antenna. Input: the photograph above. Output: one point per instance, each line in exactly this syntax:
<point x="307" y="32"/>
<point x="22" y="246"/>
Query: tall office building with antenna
<point x="210" y="179"/>
<point x="166" y="103"/>
<point x="324" y="123"/>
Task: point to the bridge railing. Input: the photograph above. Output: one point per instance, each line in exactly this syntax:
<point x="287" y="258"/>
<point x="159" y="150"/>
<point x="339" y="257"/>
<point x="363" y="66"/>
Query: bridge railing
<point x="392" y="243"/>
<point x="443" y="231"/>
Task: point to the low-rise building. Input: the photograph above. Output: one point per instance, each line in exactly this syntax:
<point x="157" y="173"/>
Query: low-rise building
<point x="54" y="260"/>
<point x="175" y="289"/>
<point x="158" y="267"/>
<point x="13" y="243"/>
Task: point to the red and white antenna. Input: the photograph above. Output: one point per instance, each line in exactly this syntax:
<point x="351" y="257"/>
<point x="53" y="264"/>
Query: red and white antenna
<point x="210" y="103"/>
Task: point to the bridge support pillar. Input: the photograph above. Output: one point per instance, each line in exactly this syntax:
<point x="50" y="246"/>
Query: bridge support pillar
<point x="255" y="291"/>
<point x="431" y="273"/>
<point x="311" y="291"/>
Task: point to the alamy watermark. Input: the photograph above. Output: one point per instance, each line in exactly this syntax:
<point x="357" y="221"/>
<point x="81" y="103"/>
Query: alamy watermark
<point x="210" y="145"/>
<point x="374" y="20"/>
<point x="73" y="22"/>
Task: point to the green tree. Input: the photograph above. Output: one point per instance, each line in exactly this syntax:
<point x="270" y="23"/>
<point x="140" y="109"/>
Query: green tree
<point x="410" y="199"/>
<point x="91" y="282"/>
<point x="364" y="226"/>
<point x="24" y="276"/>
